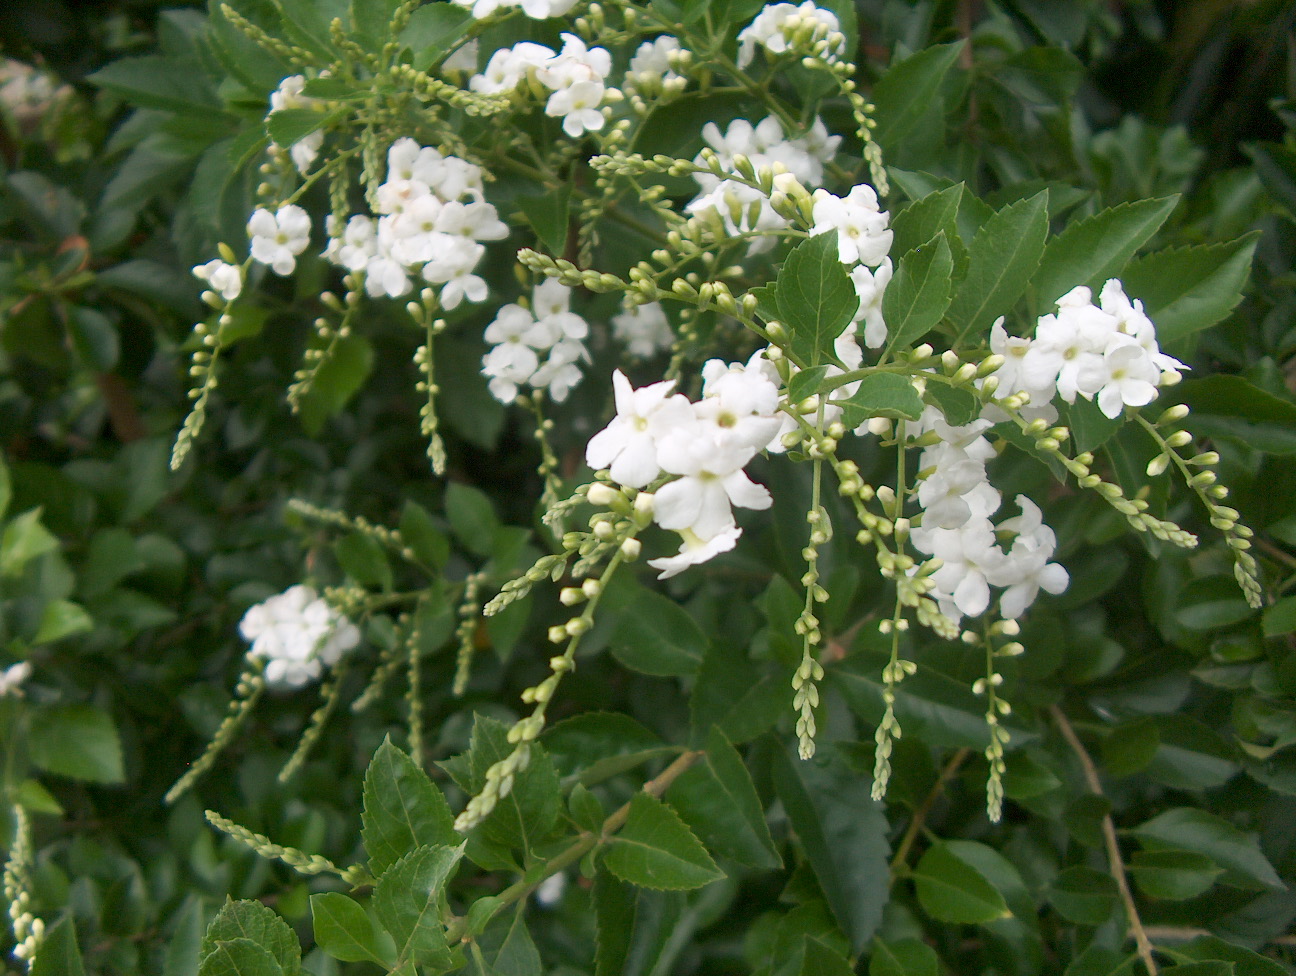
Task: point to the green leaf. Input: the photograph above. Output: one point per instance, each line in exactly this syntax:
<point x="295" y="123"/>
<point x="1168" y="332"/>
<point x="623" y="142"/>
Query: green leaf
<point x="373" y="18"/>
<point x="239" y="957"/>
<point x="24" y="539"/>
<point x="881" y="395"/>
<point x="718" y="800"/>
<point x="1210" y="603"/>
<point x="337" y="381"/>
<point x="59" y="954"/>
<point x="290" y="125"/>
<point x="805" y="383"/>
<point x="184" y="950"/>
<point x="821" y="960"/>
<point x="918" y="294"/>
<point x="1084" y="895"/>
<point x="548" y="216"/>
<point x="905" y="92"/>
<point x="432" y="30"/>
<point x="1245" y="962"/>
<point x="1196" y="830"/>
<point x="924" y="219"/>
<point x="1130" y="747"/>
<point x="344" y="930"/>
<point x="1233" y="407"/>
<point x="94" y="337"/>
<point x="903" y="957"/>
<point x="1275" y="164"/>
<point x="252" y="922"/>
<point x="472" y="519"/>
<point x="1191" y="755"/>
<point x="408" y="899"/>
<point x="525" y="817"/>
<point x="656" y="850"/>
<point x="62" y="618"/>
<point x="652" y="633"/>
<point x="951" y="890"/>
<point x="156" y="81"/>
<point x="931" y="706"/>
<point x="1003" y="257"/>
<point x="1090" y="251"/>
<point x="614" y="914"/>
<point x="1174" y="875"/>
<point x="844" y="834"/>
<point x="402" y="809"/>
<point x="363" y="558"/>
<point x="958" y="406"/>
<point x="77" y="741"/>
<point x="595" y="746"/>
<point x="518" y="955"/>
<point x="421" y="534"/>
<point x="730" y="693"/>
<point x="1187" y="289"/>
<point x="813" y="297"/>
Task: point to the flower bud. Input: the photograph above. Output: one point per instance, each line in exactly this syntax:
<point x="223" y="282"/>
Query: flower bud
<point x="601" y="495"/>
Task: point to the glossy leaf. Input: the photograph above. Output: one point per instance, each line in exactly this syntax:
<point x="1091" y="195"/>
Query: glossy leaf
<point x="408" y="899"/>
<point x="344" y="930"/>
<point x="1092" y="250"/>
<point x="844" y="834"/>
<point x="1185" y="290"/>
<point x="656" y="850"/>
<point x="402" y="809"/>
<point x="1003" y="257"/>
<point x="812" y="297"/>
<point x="951" y="890"/>
<point x="77" y="741"/>
<point x="881" y="395"/>
<point x="1198" y="830"/>
<point x="918" y="295"/>
<point x="904" y="93"/>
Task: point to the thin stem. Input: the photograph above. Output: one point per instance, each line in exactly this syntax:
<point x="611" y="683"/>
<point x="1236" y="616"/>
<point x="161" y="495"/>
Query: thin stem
<point x="1115" y="863"/>
<point x="925" y="808"/>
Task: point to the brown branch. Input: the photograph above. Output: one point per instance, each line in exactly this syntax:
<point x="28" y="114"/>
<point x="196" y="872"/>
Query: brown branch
<point x="1114" y="861"/>
<point x="921" y="814"/>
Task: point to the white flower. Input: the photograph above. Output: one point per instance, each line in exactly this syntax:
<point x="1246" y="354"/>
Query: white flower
<point x="297" y="634"/>
<point x="1026" y="569"/>
<point x="544" y="9"/>
<point x="226" y="279"/>
<point x="870" y="287"/>
<point x="652" y="61"/>
<point x="694" y="550"/>
<point x="712" y="480"/>
<point x="12" y="678"/>
<point x="628" y="445"/>
<point x="862" y="234"/>
<point x="1129" y="378"/>
<point x="509" y="66"/>
<point x="779" y="24"/>
<point x="644" y="329"/>
<point x="277" y="238"/>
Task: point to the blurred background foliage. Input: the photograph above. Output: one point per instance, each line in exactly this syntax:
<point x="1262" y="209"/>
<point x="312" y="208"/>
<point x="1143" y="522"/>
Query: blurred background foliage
<point x="122" y="584"/>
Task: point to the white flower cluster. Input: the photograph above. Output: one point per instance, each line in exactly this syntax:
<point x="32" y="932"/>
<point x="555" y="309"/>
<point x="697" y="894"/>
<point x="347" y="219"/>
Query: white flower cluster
<point x="289" y="95"/>
<point x="653" y="66"/>
<point x="277" y="238"/>
<point x="958" y="500"/>
<point x="576" y="78"/>
<point x="1108" y="354"/>
<point x="297" y="634"/>
<point x="27" y="93"/>
<point x="520" y="336"/>
<point x="783" y="27"/>
<point x="863" y="240"/>
<point x="741" y="207"/>
<point x="432" y="218"/>
<point x="705" y="444"/>
<point x="225" y="279"/>
<point x="535" y="9"/>
<point x="644" y="329"/>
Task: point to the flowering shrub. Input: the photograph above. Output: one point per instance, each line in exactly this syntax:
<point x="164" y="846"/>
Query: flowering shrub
<point x="892" y="378"/>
